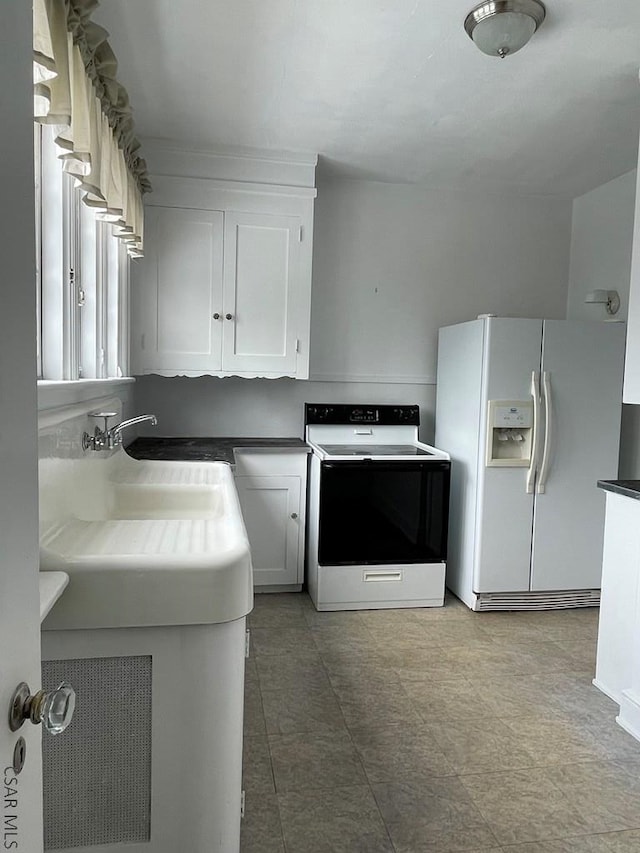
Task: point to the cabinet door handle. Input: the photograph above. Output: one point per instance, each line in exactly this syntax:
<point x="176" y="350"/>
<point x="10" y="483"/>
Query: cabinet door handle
<point x="294" y="515"/>
<point x="229" y="316"/>
<point x="216" y="316"/>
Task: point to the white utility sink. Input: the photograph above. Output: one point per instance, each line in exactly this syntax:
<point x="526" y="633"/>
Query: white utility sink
<point x="145" y="543"/>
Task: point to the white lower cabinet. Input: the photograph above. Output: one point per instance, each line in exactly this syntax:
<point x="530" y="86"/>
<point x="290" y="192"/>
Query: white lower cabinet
<point x="272" y="489"/>
<point x="618" y="656"/>
<point x="130" y="745"/>
<point x="620" y="571"/>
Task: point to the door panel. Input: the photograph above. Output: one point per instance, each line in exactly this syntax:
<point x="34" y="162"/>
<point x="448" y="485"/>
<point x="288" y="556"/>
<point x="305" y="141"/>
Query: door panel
<point x="585" y="364"/>
<point x="505" y="510"/>
<point x="180" y="291"/>
<point x="260" y="272"/>
<point x="268" y="504"/>
<point x="379" y="513"/>
<point x="19" y="598"/>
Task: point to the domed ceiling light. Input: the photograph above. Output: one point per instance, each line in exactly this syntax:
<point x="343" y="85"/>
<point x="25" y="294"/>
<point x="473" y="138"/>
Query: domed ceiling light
<point x="502" y="27"/>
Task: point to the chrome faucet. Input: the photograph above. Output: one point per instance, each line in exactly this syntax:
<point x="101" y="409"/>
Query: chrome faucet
<point x="109" y="438"/>
<point x="114" y="434"/>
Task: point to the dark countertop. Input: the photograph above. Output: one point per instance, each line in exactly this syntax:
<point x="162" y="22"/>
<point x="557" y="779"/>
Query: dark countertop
<point x="628" y="488"/>
<point x="203" y="449"/>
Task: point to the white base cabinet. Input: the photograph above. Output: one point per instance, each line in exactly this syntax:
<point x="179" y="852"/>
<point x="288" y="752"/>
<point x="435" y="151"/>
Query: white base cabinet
<point x="620" y="571"/>
<point x="191" y="770"/>
<point x="618" y="655"/>
<point x="272" y="489"/>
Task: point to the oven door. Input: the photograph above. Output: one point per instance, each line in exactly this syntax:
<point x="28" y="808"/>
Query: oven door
<point x="381" y="512"/>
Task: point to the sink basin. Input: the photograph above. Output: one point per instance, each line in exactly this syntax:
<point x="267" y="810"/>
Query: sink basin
<point x="144" y="543"/>
<point x="149" y="501"/>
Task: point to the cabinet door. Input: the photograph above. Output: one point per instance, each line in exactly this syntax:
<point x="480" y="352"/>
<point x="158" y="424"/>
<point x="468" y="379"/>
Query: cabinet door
<point x="179" y="291"/>
<point x="272" y="516"/>
<point x="261" y="268"/>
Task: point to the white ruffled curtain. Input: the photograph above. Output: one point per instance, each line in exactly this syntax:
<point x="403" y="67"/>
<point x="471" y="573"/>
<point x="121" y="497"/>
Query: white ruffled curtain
<point x="75" y="89"/>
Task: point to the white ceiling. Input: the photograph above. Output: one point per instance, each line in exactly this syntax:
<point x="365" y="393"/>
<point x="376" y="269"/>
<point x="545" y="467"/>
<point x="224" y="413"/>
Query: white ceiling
<point x="389" y="90"/>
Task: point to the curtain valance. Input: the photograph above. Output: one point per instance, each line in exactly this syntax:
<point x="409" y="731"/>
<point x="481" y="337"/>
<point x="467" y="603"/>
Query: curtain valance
<point x="76" y="90"/>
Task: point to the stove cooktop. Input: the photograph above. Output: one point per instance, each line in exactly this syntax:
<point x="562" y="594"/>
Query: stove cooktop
<point x="374" y="450"/>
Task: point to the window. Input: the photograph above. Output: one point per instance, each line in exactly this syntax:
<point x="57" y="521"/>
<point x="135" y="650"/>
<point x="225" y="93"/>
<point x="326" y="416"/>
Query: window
<point x="82" y="277"/>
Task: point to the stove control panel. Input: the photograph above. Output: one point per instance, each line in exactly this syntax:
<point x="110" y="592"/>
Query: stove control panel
<point x="364" y="416"/>
<point x="343" y="413"/>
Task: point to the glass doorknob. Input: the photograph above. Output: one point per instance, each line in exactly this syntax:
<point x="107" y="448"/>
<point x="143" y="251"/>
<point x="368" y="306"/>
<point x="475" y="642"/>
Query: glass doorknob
<point x="53" y="708"/>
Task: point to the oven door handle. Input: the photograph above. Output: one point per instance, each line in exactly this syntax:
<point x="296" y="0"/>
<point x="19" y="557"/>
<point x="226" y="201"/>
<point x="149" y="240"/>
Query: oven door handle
<point x="389" y="464"/>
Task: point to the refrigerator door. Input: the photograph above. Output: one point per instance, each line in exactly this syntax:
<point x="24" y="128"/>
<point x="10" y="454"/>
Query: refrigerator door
<point x="583" y="363"/>
<point x="504" y="512"/>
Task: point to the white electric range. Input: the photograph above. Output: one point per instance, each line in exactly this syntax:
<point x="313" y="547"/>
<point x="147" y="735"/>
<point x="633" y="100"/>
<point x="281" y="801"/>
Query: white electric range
<point x="378" y="509"/>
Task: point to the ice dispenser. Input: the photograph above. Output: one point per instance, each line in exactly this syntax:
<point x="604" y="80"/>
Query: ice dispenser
<point x="509" y="433"/>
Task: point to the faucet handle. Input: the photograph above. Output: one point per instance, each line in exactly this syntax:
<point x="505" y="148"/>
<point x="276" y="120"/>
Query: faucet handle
<point x="105" y="416"/>
<point x="99" y="438"/>
<point x="102" y="414"/>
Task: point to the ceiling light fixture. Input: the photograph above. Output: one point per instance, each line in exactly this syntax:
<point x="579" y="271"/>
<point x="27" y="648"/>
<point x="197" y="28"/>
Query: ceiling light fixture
<point x="502" y="27"/>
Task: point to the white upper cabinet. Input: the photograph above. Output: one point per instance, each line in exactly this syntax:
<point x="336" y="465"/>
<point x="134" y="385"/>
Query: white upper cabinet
<point x="225" y="284"/>
<point x="220" y="293"/>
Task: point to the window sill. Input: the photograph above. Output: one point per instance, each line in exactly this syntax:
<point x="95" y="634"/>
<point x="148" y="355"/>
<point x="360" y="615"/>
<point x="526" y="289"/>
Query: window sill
<point x="53" y="393"/>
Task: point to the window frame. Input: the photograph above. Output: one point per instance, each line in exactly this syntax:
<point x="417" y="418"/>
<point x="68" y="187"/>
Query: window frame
<point x="82" y="278"/>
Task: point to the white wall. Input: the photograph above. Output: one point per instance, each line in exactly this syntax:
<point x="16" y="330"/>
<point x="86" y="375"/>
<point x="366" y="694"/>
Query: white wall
<point x="261" y="407"/>
<point x="392" y="263"/>
<point x="601" y="241"/>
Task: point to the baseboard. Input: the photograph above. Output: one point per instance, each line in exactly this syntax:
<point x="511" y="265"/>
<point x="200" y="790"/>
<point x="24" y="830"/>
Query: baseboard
<point x="608" y="693"/>
<point x="629" y="716"/>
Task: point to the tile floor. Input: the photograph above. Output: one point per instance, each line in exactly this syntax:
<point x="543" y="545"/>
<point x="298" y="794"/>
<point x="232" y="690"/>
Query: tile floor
<point x="432" y="731"/>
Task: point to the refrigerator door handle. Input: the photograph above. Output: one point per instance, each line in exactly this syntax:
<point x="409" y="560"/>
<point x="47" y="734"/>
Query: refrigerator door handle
<point x="535" y="394"/>
<point x="548" y="424"/>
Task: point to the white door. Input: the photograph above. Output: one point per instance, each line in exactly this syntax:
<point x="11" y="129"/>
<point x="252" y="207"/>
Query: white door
<point x="584" y="362"/>
<point x="177" y="292"/>
<point x="261" y="305"/>
<point x="505" y="510"/>
<point x="271" y="512"/>
<point x="19" y="600"/>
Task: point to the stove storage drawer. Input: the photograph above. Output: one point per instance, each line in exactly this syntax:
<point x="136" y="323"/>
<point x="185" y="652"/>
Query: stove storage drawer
<point x="370" y="587"/>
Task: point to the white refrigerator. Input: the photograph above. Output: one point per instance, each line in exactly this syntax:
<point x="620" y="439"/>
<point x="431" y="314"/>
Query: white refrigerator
<point x="529" y="411"/>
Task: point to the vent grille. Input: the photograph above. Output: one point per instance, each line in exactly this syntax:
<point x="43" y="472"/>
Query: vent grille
<point x="97" y="774"/>
<point x="553" y="600"/>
